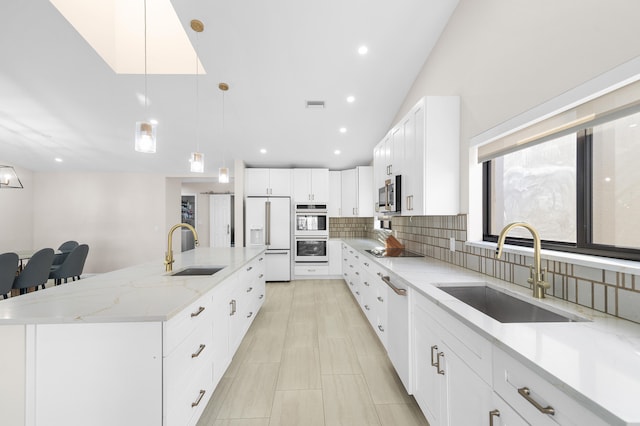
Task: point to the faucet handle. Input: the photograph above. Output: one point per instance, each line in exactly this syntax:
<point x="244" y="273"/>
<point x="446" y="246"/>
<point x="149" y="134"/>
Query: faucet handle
<point x="532" y="274"/>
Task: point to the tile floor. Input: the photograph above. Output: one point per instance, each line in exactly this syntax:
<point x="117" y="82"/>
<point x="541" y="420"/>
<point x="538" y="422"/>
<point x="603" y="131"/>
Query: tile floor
<point x="311" y="358"/>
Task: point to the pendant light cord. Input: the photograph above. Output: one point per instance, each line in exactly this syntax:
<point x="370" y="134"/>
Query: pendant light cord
<point x="145" y="56"/>
<point x="197" y="95"/>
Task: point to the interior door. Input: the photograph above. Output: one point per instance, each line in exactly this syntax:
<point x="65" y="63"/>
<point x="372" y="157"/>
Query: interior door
<point x="220" y="220"/>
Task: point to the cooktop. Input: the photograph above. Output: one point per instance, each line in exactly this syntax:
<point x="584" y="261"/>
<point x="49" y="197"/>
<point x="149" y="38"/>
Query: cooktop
<point x="393" y="252"/>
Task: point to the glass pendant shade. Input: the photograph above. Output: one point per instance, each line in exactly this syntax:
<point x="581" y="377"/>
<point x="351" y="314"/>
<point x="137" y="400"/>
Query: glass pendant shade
<point x="223" y="175"/>
<point x="145" y="137"/>
<point x="197" y="162"/>
<point x="9" y="178"/>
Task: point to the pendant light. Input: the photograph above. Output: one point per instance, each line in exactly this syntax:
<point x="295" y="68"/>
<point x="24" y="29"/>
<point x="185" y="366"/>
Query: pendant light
<point x="223" y="172"/>
<point x="145" y="136"/>
<point x="197" y="158"/>
<point x="9" y="178"/>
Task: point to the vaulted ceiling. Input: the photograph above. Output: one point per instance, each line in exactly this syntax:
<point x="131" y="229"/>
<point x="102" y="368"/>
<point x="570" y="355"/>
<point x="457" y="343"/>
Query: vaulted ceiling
<point x="60" y="99"/>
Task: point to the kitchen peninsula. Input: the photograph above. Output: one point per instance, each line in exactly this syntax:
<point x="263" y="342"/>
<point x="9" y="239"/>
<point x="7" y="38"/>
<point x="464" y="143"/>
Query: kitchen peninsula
<point x="134" y="346"/>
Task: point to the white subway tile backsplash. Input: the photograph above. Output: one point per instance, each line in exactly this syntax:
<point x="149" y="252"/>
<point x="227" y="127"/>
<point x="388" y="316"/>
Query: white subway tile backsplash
<point x="584" y="293"/>
<point x="628" y="302"/>
<point x="599" y="297"/>
<point x="612" y="296"/>
<point x="571" y="290"/>
<point x="610" y="277"/>
<point x="587" y="273"/>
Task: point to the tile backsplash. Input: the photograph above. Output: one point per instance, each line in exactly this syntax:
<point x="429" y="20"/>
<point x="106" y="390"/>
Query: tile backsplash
<point x="615" y="293"/>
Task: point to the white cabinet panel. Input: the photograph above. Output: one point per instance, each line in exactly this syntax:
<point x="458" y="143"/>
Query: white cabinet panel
<point x="335" y="194"/>
<point x="349" y="193"/>
<point x="262" y="182"/>
<point x="311" y="185"/>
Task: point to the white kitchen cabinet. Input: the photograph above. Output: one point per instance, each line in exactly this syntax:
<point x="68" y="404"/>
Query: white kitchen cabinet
<point x="357" y="192"/>
<point x="533" y="398"/>
<point x="273" y="182"/>
<point x="451" y="365"/>
<point x="311" y="185"/>
<point x="335" y="194"/>
<point x="501" y="414"/>
<point x="424" y="148"/>
<point x="397" y="331"/>
<point x="335" y="258"/>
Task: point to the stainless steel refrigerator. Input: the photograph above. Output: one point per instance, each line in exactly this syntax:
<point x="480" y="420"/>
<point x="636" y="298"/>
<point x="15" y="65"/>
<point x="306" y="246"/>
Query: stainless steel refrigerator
<point x="268" y="223"/>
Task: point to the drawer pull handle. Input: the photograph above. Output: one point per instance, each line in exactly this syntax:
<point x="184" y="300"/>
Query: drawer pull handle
<point x="261" y="275"/>
<point x="233" y="307"/>
<point x="249" y="268"/>
<point x="198" y="352"/>
<point x="357" y="273"/>
<point x="433" y="348"/>
<point x="380" y="299"/>
<point x="250" y="315"/>
<point x="398" y="291"/>
<point x="200" y="396"/>
<point x="381" y="328"/>
<point x="261" y="296"/>
<point x="366" y="264"/>
<point x="249" y="289"/>
<point x="366" y="283"/>
<point x="440" y="371"/>
<point x="198" y="312"/>
<point x="260" y="260"/>
<point x="492" y="414"/>
<point x="358" y="293"/>
<point x="526" y="394"/>
<point x="367" y="307"/>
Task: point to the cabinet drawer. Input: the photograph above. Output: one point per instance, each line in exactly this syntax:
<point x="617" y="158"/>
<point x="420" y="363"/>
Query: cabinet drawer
<point x="311" y="269"/>
<point x="182" y="325"/>
<point x="510" y="376"/>
<point x="189" y="359"/>
<point x="472" y="348"/>
<point x="184" y="405"/>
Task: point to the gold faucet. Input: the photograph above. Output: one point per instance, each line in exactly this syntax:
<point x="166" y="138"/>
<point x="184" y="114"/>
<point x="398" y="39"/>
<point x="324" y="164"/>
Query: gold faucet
<point x="536" y="274"/>
<point x="168" y="258"/>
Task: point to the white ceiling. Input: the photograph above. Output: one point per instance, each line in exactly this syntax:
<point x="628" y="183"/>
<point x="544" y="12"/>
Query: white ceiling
<point x="58" y="98"/>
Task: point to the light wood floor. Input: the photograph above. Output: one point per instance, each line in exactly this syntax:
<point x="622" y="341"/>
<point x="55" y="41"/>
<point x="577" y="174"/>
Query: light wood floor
<point x="311" y="358"/>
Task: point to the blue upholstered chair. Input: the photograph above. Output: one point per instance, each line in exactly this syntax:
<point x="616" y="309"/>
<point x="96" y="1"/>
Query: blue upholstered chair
<point x="36" y="272"/>
<point x="72" y="266"/>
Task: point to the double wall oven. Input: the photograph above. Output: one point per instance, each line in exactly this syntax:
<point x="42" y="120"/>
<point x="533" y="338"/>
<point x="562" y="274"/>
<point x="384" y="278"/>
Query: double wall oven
<point x="311" y="233"/>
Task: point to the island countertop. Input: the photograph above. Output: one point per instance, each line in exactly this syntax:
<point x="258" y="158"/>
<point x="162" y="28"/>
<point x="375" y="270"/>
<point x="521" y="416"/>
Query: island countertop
<point x="143" y="292"/>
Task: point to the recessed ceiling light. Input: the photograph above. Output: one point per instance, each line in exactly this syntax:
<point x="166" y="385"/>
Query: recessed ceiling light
<point x="350" y="99"/>
<point x="336" y="152"/>
<point x="58" y="159"/>
<point x="263" y="151"/>
<point x="152" y="121"/>
<point x="363" y="50"/>
<point x="343" y="130"/>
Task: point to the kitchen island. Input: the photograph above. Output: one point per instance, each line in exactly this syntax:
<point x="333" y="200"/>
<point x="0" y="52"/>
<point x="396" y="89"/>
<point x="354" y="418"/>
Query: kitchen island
<point x="134" y="346"/>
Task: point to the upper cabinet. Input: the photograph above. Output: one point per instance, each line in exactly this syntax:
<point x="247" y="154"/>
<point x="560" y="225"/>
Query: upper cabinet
<point x="268" y="182"/>
<point x="424" y="149"/>
<point x="335" y="194"/>
<point x="357" y="192"/>
<point x="311" y="185"/>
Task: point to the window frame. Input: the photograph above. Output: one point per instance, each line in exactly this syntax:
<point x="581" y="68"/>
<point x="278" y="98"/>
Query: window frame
<point x="584" y="209"/>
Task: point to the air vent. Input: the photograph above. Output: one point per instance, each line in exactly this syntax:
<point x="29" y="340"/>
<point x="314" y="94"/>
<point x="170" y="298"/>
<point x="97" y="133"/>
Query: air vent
<point x="315" y="104"/>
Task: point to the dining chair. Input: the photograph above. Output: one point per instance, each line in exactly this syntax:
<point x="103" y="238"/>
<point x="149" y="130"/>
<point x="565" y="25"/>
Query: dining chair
<point x="36" y="272"/>
<point x="65" y="248"/>
<point x="71" y="267"/>
<point x="8" y="269"/>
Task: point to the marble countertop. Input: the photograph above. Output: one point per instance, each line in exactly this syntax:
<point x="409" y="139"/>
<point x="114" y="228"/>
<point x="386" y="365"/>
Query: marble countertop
<point x="143" y="292"/>
<point x="597" y="362"/>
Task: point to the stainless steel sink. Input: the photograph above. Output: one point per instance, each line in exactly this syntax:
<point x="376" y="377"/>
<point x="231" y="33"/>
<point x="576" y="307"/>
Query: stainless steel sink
<point x="505" y="308"/>
<point x="198" y="270"/>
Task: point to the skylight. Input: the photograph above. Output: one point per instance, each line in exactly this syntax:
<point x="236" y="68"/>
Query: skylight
<point x="115" y="30"/>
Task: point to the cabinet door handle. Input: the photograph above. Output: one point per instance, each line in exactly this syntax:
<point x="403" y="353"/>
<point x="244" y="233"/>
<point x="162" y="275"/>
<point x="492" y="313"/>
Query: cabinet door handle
<point x="492" y="414"/>
<point x="380" y="299"/>
<point x="261" y="275"/>
<point x="526" y="394"/>
<point x="381" y="328"/>
<point x="440" y="371"/>
<point x="249" y="289"/>
<point x="249" y="268"/>
<point x="358" y="293"/>
<point x="233" y="307"/>
<point x="357" y="273"/>
<point x="366" y="264"/>
<point x="250" y="315"/>
<point x="200" y="396"/>
<point x="366" y="283"/>
<point x="433" y="348"/>
<point x="261" y="259"/>
<point x="198" y="312"/>
<point x="367" y="307"/>
<point x="261" y="296"/>
<point x="396" y="290"/>
<point x="198" y="352"/>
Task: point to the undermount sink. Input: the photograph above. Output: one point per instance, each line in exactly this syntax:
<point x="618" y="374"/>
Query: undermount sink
<point x="198" y="270"/>
<point x="505" y="308"/>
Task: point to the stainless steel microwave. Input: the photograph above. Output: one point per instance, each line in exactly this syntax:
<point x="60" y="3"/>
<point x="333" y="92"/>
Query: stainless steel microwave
<point x="390" y="196"/>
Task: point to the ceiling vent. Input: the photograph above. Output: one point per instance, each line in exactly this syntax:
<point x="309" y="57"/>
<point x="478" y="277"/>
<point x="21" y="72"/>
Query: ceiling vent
<point x="315" y="104"/>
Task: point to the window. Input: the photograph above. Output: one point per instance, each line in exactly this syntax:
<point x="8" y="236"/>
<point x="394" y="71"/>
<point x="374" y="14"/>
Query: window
<point x="581" y="191"/>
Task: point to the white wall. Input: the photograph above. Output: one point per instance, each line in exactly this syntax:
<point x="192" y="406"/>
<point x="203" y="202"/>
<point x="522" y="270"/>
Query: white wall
<point x="122" y="216"/>
<point x="16" y="214"/>
<point x="505" y="57"/>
